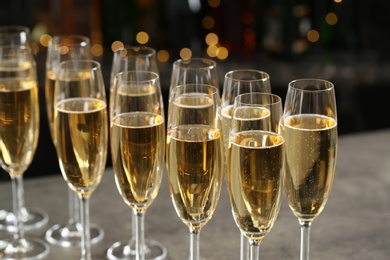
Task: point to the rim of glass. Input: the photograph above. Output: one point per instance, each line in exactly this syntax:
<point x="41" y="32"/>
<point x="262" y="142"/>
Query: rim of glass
<point x="14" y="29"/>
<point x="263" y="76"/>
<point x="275" y="99"/>
<point x="186" y="63"/>
<point x="74" y="39"/>
<point x="120" y="76"/>
<point x="65" y="65"/>
<point x="144" y="51"/>
<point x="320" y="84"/>
<point x="176" y="89"/>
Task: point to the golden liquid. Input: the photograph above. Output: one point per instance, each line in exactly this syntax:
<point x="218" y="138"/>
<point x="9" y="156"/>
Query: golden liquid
<point x="311" y="149"/>
<point x="49" y="98"/>
<point x="255" y="172"/>
<point x="19" y="124"/>
<point x="193" y="108"/>
<point x="81" y="134"/>
<point x="138" y="151"/>
<point x="195" y="169"/>
<point x="247" y="117"/>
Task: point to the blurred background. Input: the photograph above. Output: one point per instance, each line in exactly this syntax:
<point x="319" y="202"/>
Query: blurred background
<point x="344" y="41"/>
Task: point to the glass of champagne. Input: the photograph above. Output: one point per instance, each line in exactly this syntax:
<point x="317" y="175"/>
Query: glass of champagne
<point x="195" y="159"/>
<point x="133" y="58"/>
<point x="239" y="82"/>
<point x="19" y="131"/>
<point x="255" y="165"/>
<point x="81" y="133"/>
<point x="194" y="71"/>
<point x="138" y="149"/>
<point x="14" y="36"/>
<point x="310" y="129"/>
<point x="63" y="48"/>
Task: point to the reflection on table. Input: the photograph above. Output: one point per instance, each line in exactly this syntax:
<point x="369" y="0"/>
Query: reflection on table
<point x="352" y="226"/>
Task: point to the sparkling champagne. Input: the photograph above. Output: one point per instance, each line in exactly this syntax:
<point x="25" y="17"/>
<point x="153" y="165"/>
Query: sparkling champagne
<point x="311" y="143"/>
<point x="49" y="98"/>
<point x="19" y="124"/>
<point x="138" y="149"/>
<point x="255" y="172"/>
<point x="81" y="133"/>
<point x="195" y="169"/>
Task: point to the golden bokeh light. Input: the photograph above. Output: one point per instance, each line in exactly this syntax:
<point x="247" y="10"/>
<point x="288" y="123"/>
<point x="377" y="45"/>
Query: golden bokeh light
<point x="64" y="50"/>
<point x="208" y="22"/>
<point x="116" y="45"/>
<point x="223" y="53"/>
<point x="214" y="3"/>
<point x="45" y="40"/>
<point x="97" y="50"/>
<point x="142" y="37"/>
<point x="313" y="36"/>
<point x="163" y="56"/>
<point x="185" y="54"/>
<point x="337" y="1"/>
<point x="211" y="39"/>
<point x="212" y="51"/>
<point x="331" y="18"/>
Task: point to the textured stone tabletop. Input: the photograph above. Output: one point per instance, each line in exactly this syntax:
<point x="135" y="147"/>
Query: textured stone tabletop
<point x="354" y="224"/>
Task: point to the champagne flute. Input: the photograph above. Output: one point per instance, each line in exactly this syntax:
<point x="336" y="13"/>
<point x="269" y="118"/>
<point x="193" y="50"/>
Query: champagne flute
<point x="138" y="149"/>
<point x="81" y="133"/>
<point x="194" y="71"/>
<point x="63" y="48"/>
<point x="238" y="82"/>
<point x="310" y="129"/>
<point x="133" y="58"/>
<point x="15" y="36"/>
<point x="195" y="158"/>
<point x="19" y="131"/>
<point x="255" y="165"/>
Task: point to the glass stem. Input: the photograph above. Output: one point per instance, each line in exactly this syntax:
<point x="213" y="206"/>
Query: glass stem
<point x="139" y="217"/>
<point x="86" y="237"/>
<point x="244" y="247"/>
<point x="194" y="244"/>
<point x="305" y="239"/>
<point x="254" y="249"/>
<point x="18" y="202"/>
<point x="74" y="211"/>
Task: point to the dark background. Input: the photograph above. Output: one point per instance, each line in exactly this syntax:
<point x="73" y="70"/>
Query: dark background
<point x="268" y="35"/>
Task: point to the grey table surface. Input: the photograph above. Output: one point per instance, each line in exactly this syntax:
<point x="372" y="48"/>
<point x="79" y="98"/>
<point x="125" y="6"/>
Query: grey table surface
<point x="354" y="224"/>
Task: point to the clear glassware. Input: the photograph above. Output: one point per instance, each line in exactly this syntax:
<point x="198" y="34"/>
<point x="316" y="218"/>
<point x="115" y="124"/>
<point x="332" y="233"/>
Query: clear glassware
<point x="194" y="71"/>
<point x="134" y="58"/>
<point x="19" y="132"/>
<point x="238" y="82"/>
<point x="15" y="36"/>
<point x="63" y="48"/>
<point x="309" y="126"/>
<point x="195" y="159"/>
<point x="81" y="133"/>
<point x="255" y="165"/>
<point x="138" y="152"/>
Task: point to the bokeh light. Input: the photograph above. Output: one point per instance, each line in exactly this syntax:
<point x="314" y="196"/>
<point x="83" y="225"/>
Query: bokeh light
<point x="163" y="56"/>
<point x="223" y="53"/>
<point x="185" y="54"/>
<point x="331" y="18"/>
<point x="45" y="39"/>
<point x="208" y="22"/>
<point x="116" y="45"/>
<point x="142" y="37"/>
<point x="211" y="39"/>
<point x="313" y="36"/>
<point x="97" y="50"/>
<point x="214" y="3"/>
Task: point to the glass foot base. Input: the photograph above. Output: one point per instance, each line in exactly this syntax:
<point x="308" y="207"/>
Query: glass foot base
<point x="26" y="249"/>
<point x="124" y="250"/>
<point x="32" y="219"/>
<point x="69" y="236"/>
